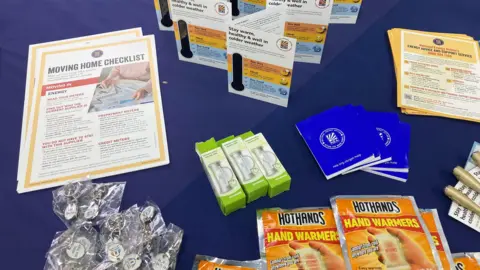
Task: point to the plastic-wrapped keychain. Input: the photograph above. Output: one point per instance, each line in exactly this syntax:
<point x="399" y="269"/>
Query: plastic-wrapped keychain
<point x="66" y="201"/>
<point x="114" y="249"/>
<point x="152" y="225"/>
<point x="166" y="248"/>
<point x="93" y="208"/>
<point x="73" y="249"/>
<point x="101" y="201"/>
<point x="121" y="235"/>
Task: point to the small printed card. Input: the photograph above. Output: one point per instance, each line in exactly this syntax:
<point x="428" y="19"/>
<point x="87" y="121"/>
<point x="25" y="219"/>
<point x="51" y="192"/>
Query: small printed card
<point x="370" y="122"/>
<point x="338" y="141"/>
<point x="470" y="164"/>
<point x="349" y="138"/>
<point x="398" y="139"/>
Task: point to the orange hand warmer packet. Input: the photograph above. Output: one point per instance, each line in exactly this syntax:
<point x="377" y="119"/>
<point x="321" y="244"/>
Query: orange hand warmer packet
<point x="383" y="232"/>
<point x="304" y="238"/>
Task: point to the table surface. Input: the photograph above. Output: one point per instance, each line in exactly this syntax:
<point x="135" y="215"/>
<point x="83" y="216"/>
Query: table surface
<point x="357" y="68"/>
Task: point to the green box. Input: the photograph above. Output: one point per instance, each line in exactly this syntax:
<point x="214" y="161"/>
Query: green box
<point x="246" y="168"/>
<point x="277" y="177"/>
<point x="225" y="185"/>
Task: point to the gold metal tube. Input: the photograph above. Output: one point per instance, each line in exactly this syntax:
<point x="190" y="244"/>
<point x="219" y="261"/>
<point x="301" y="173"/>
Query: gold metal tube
<point x="476" y="158"/>
<point x="462" y="199"/>
<point x="466" y="178"/>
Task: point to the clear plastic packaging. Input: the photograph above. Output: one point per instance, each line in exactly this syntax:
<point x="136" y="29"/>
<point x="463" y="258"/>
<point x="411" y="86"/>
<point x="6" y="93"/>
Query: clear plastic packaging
<point x="101" y="201"/>
<point x="208" y="263"/>
<point x="67" y="200"/>
<point x="165" y="248"/>
<point x="152" y="220"/>
<point x="74" y="248"/>
<point x="81" y="202"/>
<point x="121" y="240"/>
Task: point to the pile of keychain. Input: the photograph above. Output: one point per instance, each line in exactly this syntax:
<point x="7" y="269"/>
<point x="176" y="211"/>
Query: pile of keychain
<point x="99" y="236"/>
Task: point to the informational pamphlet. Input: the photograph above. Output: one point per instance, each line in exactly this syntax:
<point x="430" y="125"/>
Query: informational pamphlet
<point x="96" y="112"/>
<point x="345" y="11"/>
<point x="200" y="31"/>
<point x="437" y="74"/>
<point x="33" y="68"/>
<point x="307" y="21"/>
<point x="260" y="64"/>
<point x="164" y="17"/>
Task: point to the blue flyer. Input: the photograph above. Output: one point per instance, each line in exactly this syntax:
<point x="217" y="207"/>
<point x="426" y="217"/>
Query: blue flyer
<point x="398" y="140"/>
<point x="338" y="141"/>
<point x="370" y="119"/>
<point x="399" y="176"/>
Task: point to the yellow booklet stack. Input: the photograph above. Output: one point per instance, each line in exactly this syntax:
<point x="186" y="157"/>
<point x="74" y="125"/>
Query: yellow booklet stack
<point x="438" y="74"/>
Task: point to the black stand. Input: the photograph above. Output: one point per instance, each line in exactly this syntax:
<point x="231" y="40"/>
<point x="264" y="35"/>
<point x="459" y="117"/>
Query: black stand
<point x="235" y="10"/>
<point x="184" y="39"/>
<point x="237" y="64"/>
<point x="166" y="20"/>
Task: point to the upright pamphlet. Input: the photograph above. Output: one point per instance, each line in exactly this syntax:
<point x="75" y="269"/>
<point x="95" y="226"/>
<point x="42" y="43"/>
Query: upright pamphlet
<point x="271" y="20"/>
<point x="242" y="8"/>
<point x="307" y="21"/>
<point x="96" y="112"/>
<point x="345" y="11"/>
<point x="260" y="64"/>
<point x="200" y="31"/>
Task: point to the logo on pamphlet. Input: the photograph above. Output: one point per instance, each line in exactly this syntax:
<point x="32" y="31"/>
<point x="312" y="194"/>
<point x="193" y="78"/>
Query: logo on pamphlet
<point x="386" y="138"/>
<point x="322" y="3"/>
<point x="282" y="91"/>
<point x="438" y="42"/>
<point x="97" y="53"/>
<point x="354" y="9"/>
<point x="284" y="44"/>
<point x="332" y="138"/>
<point x="221" y="8"/>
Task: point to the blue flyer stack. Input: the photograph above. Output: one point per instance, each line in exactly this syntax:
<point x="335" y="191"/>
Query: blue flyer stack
<point x="349" y="138"/>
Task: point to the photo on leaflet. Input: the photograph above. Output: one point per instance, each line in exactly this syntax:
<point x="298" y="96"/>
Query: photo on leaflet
<point x="122" y="86"/>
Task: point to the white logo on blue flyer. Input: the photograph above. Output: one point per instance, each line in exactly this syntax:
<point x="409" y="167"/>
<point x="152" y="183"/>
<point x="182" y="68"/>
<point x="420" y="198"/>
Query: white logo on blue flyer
<point x="332" y="138"/>
<point x="386" y="138"/>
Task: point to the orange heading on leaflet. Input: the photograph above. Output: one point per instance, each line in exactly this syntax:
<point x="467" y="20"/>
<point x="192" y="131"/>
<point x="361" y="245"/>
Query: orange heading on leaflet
<point x="383" y="232"/>
<point x="305" y="238"/>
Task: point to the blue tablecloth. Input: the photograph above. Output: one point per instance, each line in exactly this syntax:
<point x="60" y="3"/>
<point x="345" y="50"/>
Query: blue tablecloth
<point x="357" y="68"/>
